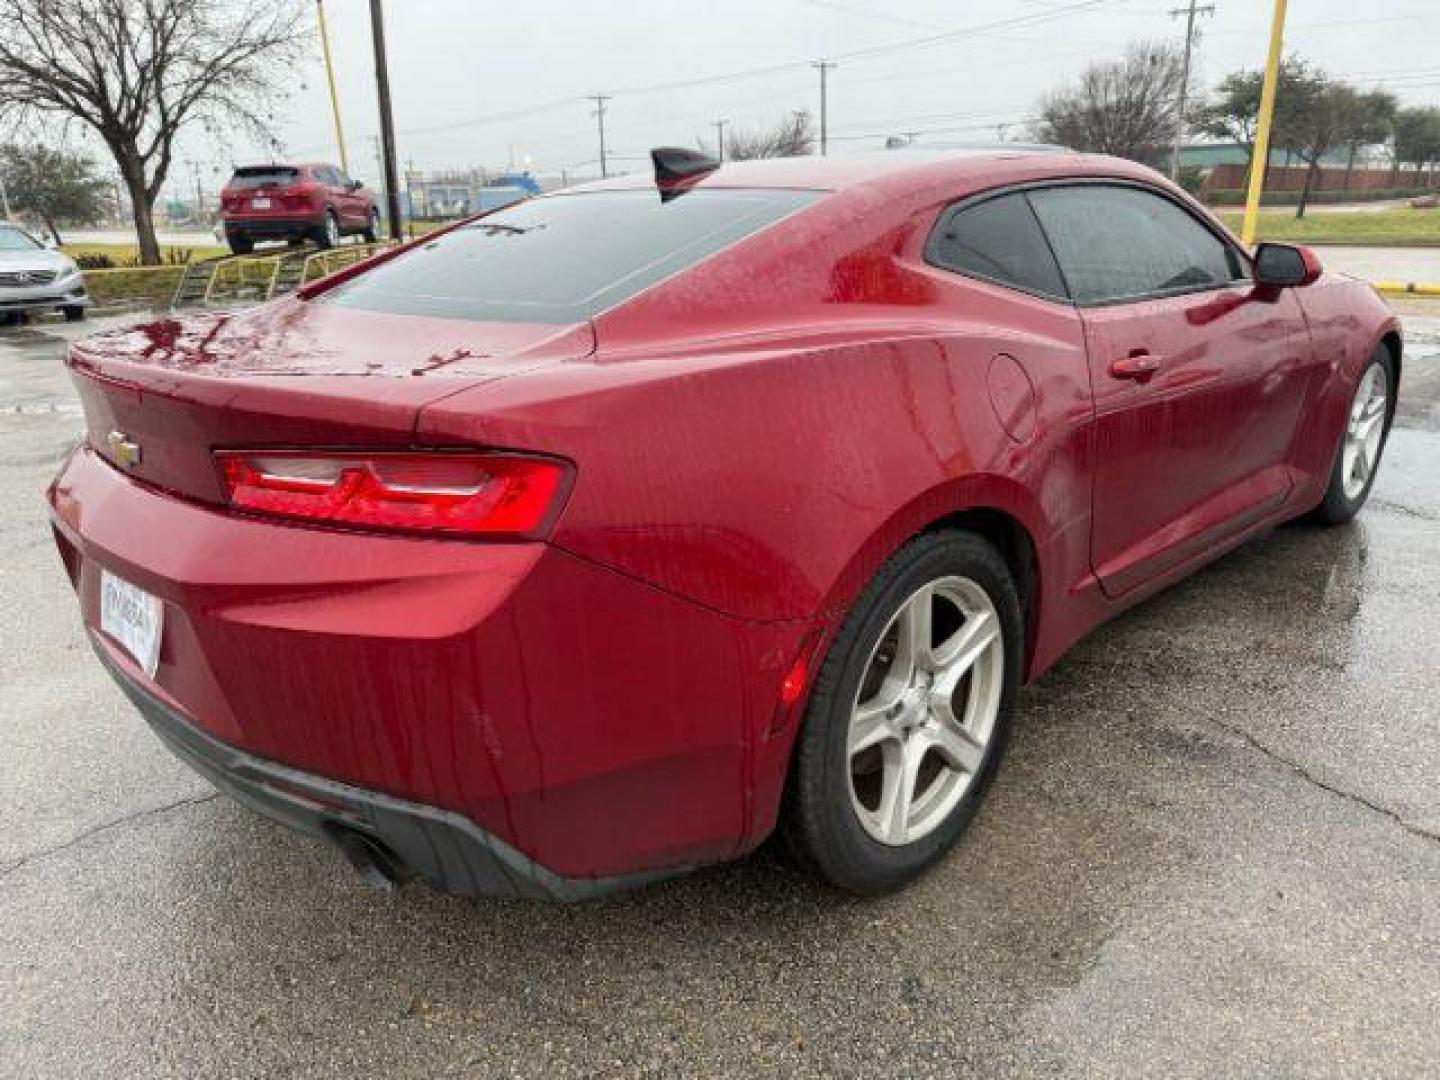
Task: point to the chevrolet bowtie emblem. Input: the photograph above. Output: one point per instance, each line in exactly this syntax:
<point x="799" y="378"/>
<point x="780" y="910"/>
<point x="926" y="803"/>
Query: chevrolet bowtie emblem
<point x="124" y="450"/>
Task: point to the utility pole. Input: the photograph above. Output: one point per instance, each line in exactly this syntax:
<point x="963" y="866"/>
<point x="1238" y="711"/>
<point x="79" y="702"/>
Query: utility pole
<point x="720" y="139"/>
<point x="330" y="77"/>
<point x="1192" y="9"/>
<point x="5" y="199"/>
<point x="824" y="67"/>
<point x="410" y="193"/>
<point x="387" y="121"/>
<point x="199" y="195"/>
<point x="600" y="100"/>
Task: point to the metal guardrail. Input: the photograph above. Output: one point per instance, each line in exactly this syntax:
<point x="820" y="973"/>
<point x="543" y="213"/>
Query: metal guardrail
<point x="320" y="263"/>
<point x="264" y="276"/>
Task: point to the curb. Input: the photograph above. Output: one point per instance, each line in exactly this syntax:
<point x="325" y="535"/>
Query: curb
<point x="1407" y="288"/>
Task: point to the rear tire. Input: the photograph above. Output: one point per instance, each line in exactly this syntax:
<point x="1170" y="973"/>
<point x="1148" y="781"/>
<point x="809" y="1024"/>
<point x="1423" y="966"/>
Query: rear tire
<point x="1362" y="442"/>
<point x="240" y="245"/>
<point x="73" y="313"/>
<point x="900" y="743"/>
<point x="329" y="234"/>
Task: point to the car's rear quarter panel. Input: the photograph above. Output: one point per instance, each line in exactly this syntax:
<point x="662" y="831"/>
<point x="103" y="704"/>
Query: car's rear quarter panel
<point x="758" y="434"/>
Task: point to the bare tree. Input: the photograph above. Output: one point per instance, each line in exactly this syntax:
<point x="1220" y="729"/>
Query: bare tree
<point x="137" y="72"/>
<point x="794" y="136"/>
<point x="1123" y="107"/>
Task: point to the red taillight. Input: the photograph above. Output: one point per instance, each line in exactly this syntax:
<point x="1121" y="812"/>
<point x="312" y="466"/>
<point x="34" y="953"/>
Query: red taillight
<point x="483" y="495"/>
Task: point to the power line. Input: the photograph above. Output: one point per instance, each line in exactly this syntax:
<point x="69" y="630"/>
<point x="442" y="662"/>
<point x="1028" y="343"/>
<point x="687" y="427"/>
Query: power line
<point x="971" y="31"/>
<point x="846" y="9"/>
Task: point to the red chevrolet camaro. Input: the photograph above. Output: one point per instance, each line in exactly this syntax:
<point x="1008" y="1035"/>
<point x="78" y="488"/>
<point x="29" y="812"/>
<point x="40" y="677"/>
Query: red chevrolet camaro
<point x="604" y="535"/>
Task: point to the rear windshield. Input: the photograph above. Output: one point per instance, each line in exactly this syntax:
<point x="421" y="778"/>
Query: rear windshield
<point x="563" y="258"/>
<point x="254" y="176"/>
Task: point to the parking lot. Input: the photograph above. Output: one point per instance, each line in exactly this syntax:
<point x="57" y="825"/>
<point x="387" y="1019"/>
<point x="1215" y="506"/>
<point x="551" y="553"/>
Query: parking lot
<point x="1214" y="850"/>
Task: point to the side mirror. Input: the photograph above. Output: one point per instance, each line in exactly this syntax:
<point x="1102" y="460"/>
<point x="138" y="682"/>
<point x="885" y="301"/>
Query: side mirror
<point x="49" y="244"/>
<point x="1285" y="265"/>
<point x="354" y="185"/>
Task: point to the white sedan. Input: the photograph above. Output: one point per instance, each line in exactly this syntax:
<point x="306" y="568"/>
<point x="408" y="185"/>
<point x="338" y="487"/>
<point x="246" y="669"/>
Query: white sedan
<point x="35" y="277"/>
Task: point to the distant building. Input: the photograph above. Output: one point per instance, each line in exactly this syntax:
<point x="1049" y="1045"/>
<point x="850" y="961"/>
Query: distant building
<point x="443" y="195"/>
<point x="1208" y="155"/>
<point x="1221" y="174"/>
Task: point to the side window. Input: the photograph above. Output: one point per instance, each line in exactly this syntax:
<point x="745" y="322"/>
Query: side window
<point x="1115" y="242"/>
<point x="338" y="178"/>
<point x="998" y="240"/>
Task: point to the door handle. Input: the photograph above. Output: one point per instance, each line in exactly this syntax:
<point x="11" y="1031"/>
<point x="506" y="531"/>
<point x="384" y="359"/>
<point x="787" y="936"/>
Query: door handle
<point x="1139" y="365"/>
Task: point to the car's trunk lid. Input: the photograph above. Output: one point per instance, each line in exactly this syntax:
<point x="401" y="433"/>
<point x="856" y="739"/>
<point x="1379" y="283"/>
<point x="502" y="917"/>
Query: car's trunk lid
<point x="160" y="398"/>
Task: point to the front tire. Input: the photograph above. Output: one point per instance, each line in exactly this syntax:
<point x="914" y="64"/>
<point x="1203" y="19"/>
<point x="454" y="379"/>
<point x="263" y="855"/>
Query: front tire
<point x="241" y="245"/>
<point x="1367" y="428"/>
<point x="908" y="717"/>
<point x="73" y="313"/>
<point x="372" y="226"/>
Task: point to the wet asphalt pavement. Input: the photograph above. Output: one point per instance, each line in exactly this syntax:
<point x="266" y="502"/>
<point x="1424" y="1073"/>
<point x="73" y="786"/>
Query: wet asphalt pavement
<point x="1214" y="850"/>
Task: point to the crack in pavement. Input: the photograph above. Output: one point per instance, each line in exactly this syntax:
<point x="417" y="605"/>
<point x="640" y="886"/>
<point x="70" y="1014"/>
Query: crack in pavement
<point x="26" y="860"/>
<point x="1310" y="778"/>
<point x="1402" y="509"/>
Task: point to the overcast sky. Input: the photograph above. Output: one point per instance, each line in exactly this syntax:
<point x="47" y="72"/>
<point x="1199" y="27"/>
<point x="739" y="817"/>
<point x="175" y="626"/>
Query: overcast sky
<point x="477" y="82"/>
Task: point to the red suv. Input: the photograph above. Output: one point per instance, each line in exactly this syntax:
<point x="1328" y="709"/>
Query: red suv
<point x="295" y="202"/>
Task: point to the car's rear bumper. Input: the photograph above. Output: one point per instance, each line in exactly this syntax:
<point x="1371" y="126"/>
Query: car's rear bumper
<point x="444" y="848"/>
<point x="272" y="228"/>
<point x="595" y="726"/>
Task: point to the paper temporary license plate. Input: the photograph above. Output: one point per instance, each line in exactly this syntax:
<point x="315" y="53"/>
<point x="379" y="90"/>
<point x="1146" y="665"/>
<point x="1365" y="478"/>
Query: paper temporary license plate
<point x="259" y="204"/>
<point x="132" y="617"/>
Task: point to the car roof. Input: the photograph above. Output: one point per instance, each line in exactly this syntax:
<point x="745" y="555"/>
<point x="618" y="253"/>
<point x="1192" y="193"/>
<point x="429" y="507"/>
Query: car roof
<point x="283" y="165"/>
<point x="901" y="168"/>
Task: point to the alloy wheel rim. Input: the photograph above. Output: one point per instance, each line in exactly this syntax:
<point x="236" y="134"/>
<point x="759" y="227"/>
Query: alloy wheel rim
<point x="332" y="231"/>
<point x="925" y="711"/>
<point x="1364" y="431"/>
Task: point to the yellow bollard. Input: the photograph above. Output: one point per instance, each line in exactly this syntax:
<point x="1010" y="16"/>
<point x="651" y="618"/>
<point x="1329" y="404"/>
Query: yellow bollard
<point x="330" y="75"/>
<point x="1261" y="156"/>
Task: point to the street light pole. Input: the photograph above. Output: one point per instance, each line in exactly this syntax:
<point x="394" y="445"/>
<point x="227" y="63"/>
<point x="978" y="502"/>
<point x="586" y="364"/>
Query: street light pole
<point x="1194" y="8"/>
<point x="720" y="139"/>
<point x="387" y="122"/>
<point x="1260" y="156"/>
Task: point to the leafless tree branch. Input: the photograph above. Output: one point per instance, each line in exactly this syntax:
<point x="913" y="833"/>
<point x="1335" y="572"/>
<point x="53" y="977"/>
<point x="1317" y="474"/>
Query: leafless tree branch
<point x="1124" y="107"/>
<point x="137" y="72"/>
